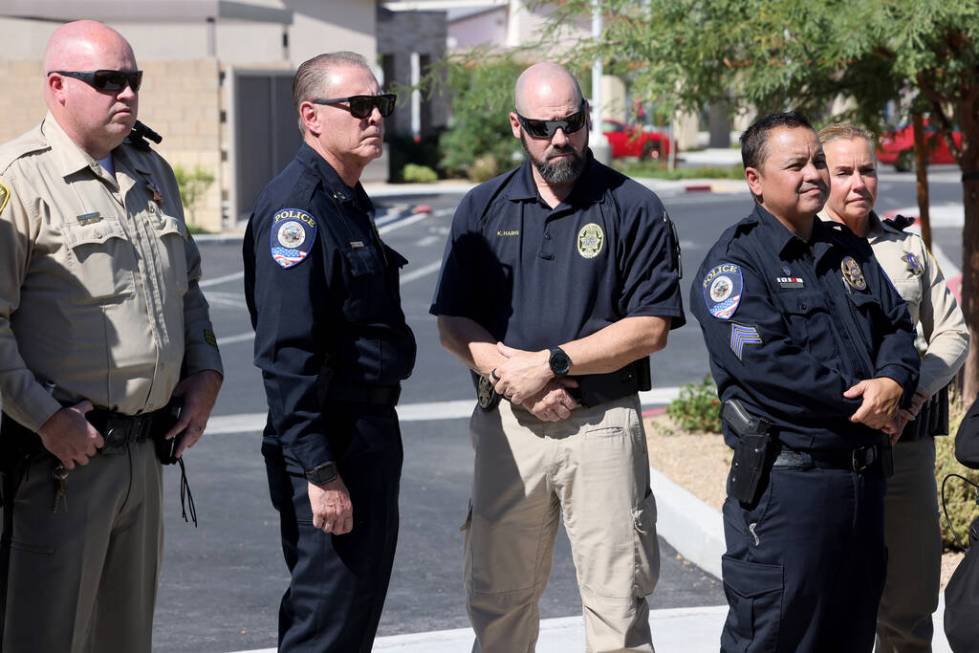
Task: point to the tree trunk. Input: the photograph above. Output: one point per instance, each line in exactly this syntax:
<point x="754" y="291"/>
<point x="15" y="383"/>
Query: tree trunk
<point x="921" y="176"/>
<point x="969" y="163"/>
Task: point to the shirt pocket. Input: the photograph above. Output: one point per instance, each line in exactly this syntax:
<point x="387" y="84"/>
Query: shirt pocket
<point x="102" y="260"/>
<point x="172" y="236"/>
<point x="806" y="315"/>
<point x="365" y="283"/>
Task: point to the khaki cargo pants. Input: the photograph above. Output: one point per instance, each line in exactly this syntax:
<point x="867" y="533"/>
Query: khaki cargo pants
<point x="83" y="580"/>
<point x="592" y="470"/>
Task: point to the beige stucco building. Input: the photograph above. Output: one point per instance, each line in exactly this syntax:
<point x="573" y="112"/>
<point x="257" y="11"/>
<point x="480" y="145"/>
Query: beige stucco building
<point x="216" y="83"/>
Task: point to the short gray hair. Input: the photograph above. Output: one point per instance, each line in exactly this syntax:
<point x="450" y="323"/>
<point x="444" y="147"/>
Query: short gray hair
<point x="310" y="79"/>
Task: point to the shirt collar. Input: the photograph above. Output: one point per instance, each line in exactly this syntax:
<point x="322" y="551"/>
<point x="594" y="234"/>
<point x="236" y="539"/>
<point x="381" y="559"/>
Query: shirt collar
<point x="786" y="243"/>
<point x="71" y="158"/>
<point x="339" y="191"/>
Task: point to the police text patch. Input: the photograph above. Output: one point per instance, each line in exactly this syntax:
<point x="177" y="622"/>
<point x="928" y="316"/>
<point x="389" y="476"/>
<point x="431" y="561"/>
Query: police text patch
<point x="722" y="288"/>
<point x="292" y="236"/>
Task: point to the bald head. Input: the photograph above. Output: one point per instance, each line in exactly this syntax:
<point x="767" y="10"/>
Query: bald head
<point x="97" y="119"/>
<point x="545" y="86"/>
<point x="82" y="44"/>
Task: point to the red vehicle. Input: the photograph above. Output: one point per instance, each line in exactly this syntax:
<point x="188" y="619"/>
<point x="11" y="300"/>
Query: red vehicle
<point x="635" y="140"/>
<point x="897" y="147"/>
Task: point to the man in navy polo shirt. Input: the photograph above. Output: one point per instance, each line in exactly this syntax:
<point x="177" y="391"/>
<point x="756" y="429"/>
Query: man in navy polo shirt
<point x="560" y="279"/>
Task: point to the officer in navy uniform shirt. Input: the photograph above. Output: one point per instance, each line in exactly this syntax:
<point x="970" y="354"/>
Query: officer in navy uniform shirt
<point x="333" y="346"/>
<point x="560" y="279"/>
<point x="805" y="331"/>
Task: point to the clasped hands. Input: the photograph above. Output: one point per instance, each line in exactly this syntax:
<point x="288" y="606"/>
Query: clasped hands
<point x="525" y="379"/>
<point x="879" y="409"/>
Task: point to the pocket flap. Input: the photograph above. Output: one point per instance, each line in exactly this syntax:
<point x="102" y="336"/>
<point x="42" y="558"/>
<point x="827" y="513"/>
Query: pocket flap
<point x="751" y="579"/>
<point x="93" y="234"/>
<point x="170" y="225"/>
<point x="361" y="260"/>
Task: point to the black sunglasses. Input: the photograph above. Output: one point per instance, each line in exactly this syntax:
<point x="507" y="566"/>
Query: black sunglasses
<point x="106" y="80"/>
<point x="547" y="128"/>
<point x="361" y="106"/>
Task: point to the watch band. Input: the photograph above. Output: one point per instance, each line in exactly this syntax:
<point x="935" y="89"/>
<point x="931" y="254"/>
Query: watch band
<point x="323" y="474"/>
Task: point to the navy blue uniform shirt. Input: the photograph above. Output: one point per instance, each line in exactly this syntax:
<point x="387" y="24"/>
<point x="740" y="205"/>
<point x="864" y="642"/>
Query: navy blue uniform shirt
<point x="536" y="277"/>
<point x="790" y="326"/>
<point x="324" y="299"/>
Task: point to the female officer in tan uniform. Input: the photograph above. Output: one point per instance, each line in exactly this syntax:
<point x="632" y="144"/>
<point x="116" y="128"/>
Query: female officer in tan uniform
<point x="912" y="531"/>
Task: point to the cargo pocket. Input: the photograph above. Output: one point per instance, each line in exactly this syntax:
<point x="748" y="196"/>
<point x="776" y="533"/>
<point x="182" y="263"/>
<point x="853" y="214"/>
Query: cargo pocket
<point x="754" y="592"/>
<point x="647" y="547"/>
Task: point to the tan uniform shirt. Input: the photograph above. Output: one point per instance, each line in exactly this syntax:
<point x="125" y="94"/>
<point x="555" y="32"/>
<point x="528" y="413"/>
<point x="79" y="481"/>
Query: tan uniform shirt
<point x="99" y="279"/>
<point x="941" y="337"/>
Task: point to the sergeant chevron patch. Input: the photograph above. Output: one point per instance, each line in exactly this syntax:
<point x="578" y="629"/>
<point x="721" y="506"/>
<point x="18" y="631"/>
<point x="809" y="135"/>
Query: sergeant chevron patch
<point x="742" y="335"/>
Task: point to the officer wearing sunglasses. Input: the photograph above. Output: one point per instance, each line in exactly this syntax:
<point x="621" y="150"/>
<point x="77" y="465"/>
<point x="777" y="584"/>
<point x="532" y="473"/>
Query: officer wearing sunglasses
<point x="560" y="279"/>
<point x="100" y="315"/>
<point x="333" y="346"/>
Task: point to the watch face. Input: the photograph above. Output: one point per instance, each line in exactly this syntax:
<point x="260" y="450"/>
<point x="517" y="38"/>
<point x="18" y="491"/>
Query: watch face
<point x="560" y="362"/>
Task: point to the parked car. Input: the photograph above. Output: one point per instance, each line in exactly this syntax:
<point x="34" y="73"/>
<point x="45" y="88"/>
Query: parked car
<point x="897" y="147"/>
<point x="640" y="141"/>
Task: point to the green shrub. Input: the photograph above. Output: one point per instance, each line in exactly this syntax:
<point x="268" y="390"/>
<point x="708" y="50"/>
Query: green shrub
<point x="193" y="185"/>
<point x="960" y="497"/>
<point x="404" y="150"/>
<point x="697" y="408"/>
<point x="416" y="174"/>
<point x="660" y="170"/>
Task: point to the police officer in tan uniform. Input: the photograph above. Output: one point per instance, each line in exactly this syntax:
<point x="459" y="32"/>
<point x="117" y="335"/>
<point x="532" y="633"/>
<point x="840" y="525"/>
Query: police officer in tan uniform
<point x="912" y="531"/>
<point x="102" y="322"/>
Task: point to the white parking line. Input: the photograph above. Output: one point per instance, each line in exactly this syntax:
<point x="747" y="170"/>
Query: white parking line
<point x="219" y="280"/>
<point x="425" y="270"/>
<point x="241" y="337"/>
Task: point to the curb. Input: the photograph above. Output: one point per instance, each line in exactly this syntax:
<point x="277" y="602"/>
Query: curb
<point x="693" y="528"/>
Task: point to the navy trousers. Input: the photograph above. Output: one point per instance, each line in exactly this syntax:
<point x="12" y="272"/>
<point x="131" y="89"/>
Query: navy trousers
<point x="339" y="582"/>
<point x="805" y="565"/>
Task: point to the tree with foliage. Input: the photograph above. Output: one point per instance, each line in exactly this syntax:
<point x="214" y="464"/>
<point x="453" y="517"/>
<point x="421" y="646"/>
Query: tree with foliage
<point x="800" y="54"/>
<point x="481" y="87"/>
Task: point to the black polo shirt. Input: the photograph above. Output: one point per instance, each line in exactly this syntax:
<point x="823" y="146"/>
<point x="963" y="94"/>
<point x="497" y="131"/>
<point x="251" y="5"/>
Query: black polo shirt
<point x="537" y="277"/>
<point x="324" y="298"/>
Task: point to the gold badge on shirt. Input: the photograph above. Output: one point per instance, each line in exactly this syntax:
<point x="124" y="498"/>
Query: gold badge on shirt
<point x="591" y="239"/>
<point x="4" y="196"/>
<point x="852" y="274"/>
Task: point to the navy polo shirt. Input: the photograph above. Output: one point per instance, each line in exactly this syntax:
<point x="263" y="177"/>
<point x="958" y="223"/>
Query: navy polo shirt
<point x="791" y="325"/>
<point x="537" y="277"/>
<point x="324" y="298"/>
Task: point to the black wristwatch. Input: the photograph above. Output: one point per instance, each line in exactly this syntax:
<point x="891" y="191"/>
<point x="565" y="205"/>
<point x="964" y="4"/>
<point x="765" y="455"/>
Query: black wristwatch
<point x="325" y="473"/>
<point x="559" y="361"/>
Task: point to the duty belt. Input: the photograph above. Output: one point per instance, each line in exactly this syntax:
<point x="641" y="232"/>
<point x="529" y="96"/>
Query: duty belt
<point x="857" y="460"/>
<point x="119" y="430"/>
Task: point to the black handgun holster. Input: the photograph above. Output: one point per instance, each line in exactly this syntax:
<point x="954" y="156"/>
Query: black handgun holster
<point x="752" y="453"/>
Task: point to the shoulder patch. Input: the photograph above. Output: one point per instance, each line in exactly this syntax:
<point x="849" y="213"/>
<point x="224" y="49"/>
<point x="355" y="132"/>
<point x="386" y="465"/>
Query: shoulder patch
<point x="292" y="236"/>
<point x="722" y="288"/>
<point x="4" y="196"/>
